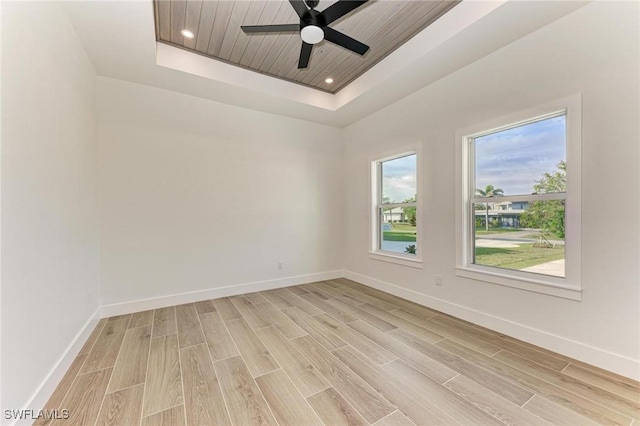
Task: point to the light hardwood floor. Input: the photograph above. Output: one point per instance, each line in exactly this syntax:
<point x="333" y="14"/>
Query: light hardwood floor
<point x="333" y="352"/>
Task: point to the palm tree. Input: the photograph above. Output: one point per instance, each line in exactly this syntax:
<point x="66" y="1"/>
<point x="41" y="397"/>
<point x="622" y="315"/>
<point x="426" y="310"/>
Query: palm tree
<point x="489" y="191"/>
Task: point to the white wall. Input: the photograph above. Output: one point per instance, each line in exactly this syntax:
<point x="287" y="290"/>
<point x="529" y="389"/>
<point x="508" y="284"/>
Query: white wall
<point x="198" y="195"/>
<point x="593" y="51"/>
<point x="50" y="228"/>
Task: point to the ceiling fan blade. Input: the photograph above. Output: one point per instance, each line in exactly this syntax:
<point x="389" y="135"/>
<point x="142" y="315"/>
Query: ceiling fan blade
<point x="270" y="28"/>
<point x="339" y="9"/>
<point x="345" y="41"/>
<point x="299" y="7"/>
<point x="305" y="54"/>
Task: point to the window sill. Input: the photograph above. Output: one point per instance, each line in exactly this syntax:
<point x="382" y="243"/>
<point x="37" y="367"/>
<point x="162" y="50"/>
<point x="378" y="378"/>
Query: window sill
<point x="398" y="259"/>
<point x="534" y="284"/>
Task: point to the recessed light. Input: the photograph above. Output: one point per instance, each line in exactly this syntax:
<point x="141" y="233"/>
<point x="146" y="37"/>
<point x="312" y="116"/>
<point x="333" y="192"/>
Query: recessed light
<point x="328" y="80"/>
<point x="187" y="33"/>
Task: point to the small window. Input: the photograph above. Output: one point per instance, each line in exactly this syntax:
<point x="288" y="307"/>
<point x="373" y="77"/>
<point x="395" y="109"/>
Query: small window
<point x="521" y="200"/>
<point x="395" y="207"/>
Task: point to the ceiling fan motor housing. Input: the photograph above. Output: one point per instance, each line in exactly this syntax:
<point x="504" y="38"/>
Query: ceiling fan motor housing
<point x="311" y="4"/>
<point x="311" y="25"/>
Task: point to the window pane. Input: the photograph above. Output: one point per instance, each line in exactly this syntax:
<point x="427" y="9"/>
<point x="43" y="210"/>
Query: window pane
<point x="398" y="230"/>
<point x="522" y="160"/>
<point x="529" y="239"/>
<point x="399" y="180"/>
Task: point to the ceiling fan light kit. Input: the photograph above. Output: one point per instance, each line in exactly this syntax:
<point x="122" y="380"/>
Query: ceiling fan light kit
<point x="312" y="34"/>
<point x="314" y="27"/>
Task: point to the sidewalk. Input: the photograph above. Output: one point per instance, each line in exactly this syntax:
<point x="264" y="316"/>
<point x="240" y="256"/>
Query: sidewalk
<point x="555" y="268"/>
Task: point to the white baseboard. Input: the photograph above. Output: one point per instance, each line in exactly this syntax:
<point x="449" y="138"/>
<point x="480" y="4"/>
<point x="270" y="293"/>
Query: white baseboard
<point x="610" y="361"/>
<point x="214" y="293"/>
<point x="49" y="384"/>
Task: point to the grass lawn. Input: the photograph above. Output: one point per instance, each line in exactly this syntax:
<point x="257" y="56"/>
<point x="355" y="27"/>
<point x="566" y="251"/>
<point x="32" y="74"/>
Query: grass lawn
<point x="483" y="231"/>
<point x="517" y="258"/>
<point x="546" y="235"/>
<point x="400" y="232"/>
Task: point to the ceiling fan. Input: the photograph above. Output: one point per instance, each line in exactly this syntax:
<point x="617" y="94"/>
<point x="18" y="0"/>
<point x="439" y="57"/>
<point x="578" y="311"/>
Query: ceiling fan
<point x="314" y="27"/>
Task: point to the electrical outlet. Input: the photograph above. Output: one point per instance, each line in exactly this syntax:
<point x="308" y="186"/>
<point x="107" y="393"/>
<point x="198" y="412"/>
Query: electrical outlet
<point x="280" y="266"/>
<point x="438" y="280"/>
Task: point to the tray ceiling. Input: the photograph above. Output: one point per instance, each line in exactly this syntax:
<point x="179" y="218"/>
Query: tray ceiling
<point x="384" y="25"/>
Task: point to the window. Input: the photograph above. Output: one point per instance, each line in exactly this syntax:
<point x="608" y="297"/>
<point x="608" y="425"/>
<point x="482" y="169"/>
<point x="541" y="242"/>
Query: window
<point x="520" y="179"/>
<point x="395" y="207"/>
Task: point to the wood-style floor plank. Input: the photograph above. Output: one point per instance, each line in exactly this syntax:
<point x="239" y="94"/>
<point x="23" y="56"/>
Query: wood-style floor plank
<point x="256" y="298"/>
<point x="555" y="414"/>
<point x="620" y="388"/>
<point x="424" y="364"/>
<point x="122" y="407"/>
<point x="318" y="292"/>
<point x="461" y="410"/>
<point x="189" y="330"/>
<point x="418" y="409"/>
<point x="400" y="322"/>
<point x="218" y="339"/>
<point x="367" y="347"/>
<point x="365" y="298"/>
<point x="300" y="303"/>
<point x="244" y="399"/>
<point x="164" y="380"/>
<point x="369" y="403"/>
<point x="255" y="354"/>
<point x="333" y="409"/>
<point x="140" y="319"/>
<point x="337" y="313"/>
<point x="378" y="323"/>
<point x="93" y="337"/>
<point x="286" y="403"/>
<point x="492" y="403"/>
<point x="205" y="307"/>
<point x="549" y="391"/>
<point x="131" y="367"/>
<point x="85" y="397"/>
<point x="249" y="312"/>
<point x="397" y="418"/>
<point x="282" y="322"/>
<point x="303" y="374"/>
<point x="170" y="417"/>
<point x="603" y="397"/>
<point x="490" y="381"/>
<point x="458" y="335"/>
<point x="298" y="290"/>
<point x="226" y="309"/>
<point x="278" y="301"/>
<point x="105" y="350"/>
<point x="326" y="338"/>
<point x="406" y="305"/>
<point x="203" y="399"/>
<point x="164" y="322"/>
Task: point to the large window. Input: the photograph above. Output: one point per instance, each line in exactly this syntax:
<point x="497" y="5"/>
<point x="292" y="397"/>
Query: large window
<point x="395" y="207"/>
<point x="519" y="179"/>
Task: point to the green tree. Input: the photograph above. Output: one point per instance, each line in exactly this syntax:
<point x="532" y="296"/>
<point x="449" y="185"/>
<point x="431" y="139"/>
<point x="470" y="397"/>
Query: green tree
<point x="548" y="215"/>
<point x="410" y="212"/>
<point x="488" y="192"/>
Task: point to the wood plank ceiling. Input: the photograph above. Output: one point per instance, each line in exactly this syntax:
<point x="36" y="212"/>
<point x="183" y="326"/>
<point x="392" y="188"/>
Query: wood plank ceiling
<point x="384" y="25"/>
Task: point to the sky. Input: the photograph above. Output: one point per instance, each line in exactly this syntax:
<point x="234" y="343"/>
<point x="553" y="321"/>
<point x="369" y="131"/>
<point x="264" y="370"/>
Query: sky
<point x="514" y="159"/>
<point x="399" y="178"/>
<point x="511" y="160"/>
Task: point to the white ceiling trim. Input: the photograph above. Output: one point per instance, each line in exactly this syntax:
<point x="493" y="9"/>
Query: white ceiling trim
<point x="453" y="22"/>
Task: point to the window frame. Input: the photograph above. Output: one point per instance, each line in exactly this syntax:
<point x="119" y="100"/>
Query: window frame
<point x="570" y="286"/>
<point x="375" y="198"/>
